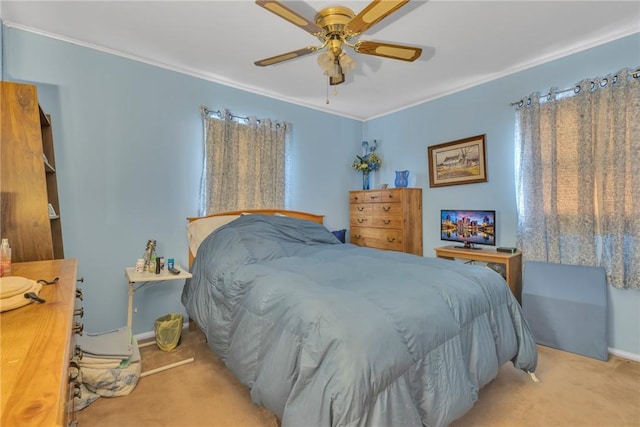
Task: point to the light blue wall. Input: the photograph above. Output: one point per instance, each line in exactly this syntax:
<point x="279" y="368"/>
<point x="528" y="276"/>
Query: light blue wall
<point x="485" y="109"/>
<point x="128" y="147"/>
<point x="128" y="150"/>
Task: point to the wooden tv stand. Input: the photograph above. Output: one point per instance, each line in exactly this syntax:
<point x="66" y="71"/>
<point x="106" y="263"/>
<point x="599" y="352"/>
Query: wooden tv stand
<point x="512" y="262"/>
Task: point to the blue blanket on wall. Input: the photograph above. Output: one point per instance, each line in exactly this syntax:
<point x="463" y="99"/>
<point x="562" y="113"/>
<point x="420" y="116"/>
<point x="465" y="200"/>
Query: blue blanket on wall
<point x="331" y="334"/>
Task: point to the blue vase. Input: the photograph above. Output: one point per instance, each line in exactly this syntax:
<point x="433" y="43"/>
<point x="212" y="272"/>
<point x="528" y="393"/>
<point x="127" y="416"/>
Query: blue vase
<point x="402" y="179"/>
<point x="365" y="180"/>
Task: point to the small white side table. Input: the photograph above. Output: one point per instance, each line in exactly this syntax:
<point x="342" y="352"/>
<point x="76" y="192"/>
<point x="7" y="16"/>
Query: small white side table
<point x="145" y="279"/>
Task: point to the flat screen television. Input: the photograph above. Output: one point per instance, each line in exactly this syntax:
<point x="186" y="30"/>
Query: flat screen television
<point x="469" y="227"/>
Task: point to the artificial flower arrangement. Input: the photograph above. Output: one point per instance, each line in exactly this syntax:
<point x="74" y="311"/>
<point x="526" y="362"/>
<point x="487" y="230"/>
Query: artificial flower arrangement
<point x="369" y="161"/>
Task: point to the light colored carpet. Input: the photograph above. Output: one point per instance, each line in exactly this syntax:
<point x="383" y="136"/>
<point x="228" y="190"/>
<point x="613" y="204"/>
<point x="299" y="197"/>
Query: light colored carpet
<point x="574" y="391"/>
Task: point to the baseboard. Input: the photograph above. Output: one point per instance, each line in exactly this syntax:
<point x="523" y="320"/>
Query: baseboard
<point x="624" y="354"/>
<point x="620" y="353"/>
<point x="151" y="334"/>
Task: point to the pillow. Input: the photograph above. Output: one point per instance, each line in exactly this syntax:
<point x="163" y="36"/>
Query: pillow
<point x="199" y="229"/>
<point x="340" y="234"/>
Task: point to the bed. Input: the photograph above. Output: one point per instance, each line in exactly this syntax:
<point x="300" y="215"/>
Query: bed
<point x="332" y="334"/>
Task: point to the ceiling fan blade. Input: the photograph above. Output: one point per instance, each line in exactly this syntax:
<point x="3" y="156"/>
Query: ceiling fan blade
<point x="372" y="14"/>
<point x="285" y="56"/>
<point x="387" y="50"/>
<point x="284" y="12"/>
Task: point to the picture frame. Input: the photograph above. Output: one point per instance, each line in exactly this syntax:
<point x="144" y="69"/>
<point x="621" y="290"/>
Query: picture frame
<point x="458" y="162"/>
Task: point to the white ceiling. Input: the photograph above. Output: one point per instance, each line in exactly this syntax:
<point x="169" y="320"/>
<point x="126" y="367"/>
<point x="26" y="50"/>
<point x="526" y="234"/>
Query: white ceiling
<point x="464" y="43"/>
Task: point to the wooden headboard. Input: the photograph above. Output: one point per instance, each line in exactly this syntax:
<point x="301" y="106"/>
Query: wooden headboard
<point x="294" y="214"/>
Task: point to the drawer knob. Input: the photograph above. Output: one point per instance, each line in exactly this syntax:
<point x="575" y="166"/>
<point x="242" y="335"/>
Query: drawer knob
<point x="79" y="294"/>
<point x="360" y="208"/>
<point x="391" y="239"/>
<point x="386" y="208"/>
<point x="74" y="371"/>
<point x="77" y="390"/>
<point x="386" y="221"/>
<point x="79" y="312"/>
<point x="78" y="328"/>
<point x="357" y="236"/>
<point x="77" y="352"/>
<point x="374" y="197"/>
<point x="361" y="220"/>
<point x="80" y="280"/>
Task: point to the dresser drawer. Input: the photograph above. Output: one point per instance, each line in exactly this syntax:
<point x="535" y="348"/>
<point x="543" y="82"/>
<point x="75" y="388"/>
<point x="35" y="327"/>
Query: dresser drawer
<point x="361" y="209"/>
<point x="383" y="196"/>
<point x="356" y="196"/>
<point x="361" y="221"/>
<point x="378" y="238"/>
<point x="387" y="221"/>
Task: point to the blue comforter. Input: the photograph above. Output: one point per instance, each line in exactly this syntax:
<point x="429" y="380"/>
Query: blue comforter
<point x="331" y="334"/>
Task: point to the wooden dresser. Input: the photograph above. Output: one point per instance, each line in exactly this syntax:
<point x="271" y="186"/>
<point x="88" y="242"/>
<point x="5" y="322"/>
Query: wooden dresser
<point x="38" y="345"/>
<point x="388" y="219"/>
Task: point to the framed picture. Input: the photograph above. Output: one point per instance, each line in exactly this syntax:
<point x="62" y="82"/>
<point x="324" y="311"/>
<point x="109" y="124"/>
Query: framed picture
<point x="458" y="162"/>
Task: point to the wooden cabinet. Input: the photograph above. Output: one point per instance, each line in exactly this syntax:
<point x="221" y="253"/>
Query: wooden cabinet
<point x="512" y="262"/>
<point x="388" y="219"/>
<point x="38" y="346"/>
<point x="28" y="182"/>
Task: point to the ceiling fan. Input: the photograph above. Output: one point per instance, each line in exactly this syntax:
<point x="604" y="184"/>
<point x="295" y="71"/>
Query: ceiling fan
<point x="335" y="27"/>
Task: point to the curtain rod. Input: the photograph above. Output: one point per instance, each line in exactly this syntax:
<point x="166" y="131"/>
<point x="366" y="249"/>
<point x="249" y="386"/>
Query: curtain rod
<point x="220" y="114"/>
<point x="207" y="112"/>
<point x="577" y="88"/>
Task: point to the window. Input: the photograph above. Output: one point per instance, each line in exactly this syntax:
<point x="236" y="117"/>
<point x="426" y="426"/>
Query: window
<point x="578" y="176"/>
<point x="244" y="163"/>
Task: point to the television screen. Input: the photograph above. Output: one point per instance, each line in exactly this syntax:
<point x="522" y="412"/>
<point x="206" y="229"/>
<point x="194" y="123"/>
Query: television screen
<point x="468" y="227"/>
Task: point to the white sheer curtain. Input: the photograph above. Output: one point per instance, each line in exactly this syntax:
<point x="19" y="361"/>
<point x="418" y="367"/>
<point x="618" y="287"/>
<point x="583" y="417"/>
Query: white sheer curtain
<point x="244" y="163"/>
<point x="578" y="176"/>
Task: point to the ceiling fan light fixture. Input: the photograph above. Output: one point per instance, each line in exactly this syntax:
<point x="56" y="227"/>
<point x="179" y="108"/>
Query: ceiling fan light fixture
<point x="336" y="67"/>
<point x="329" y="64"/>
<point x="336" y="81"/>
<point x="325" y="61"/>
<point x="347" y="63"/>
<point x="336" y="70"/>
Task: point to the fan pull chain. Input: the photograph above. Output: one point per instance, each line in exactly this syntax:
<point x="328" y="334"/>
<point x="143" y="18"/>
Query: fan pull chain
<point x="327" y="101"/>
<point x="335" y="92"/>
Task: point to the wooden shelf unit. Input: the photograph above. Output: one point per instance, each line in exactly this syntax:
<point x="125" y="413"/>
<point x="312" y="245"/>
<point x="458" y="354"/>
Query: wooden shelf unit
<point x="512" y="262"/>
<point x="52" y="183"/>
<point x="28" y="180"/>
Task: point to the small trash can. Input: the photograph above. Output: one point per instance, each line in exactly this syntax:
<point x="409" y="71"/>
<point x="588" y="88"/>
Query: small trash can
<point x="168" y="329"/>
